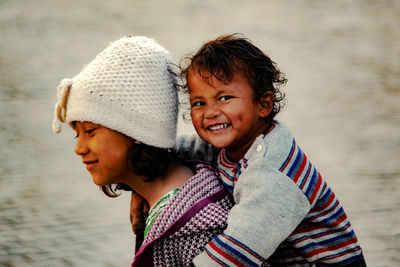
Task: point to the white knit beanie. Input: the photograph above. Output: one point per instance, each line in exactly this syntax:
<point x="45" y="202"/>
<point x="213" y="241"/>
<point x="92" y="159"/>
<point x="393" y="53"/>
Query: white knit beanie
<point x="128" y="88"/>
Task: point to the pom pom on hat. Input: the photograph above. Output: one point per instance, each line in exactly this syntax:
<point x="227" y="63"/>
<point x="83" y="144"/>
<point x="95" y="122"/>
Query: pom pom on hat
<point x="129" y="87"/>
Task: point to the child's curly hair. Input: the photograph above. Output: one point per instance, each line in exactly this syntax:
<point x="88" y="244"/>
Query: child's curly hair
<point x="232" y="54"/>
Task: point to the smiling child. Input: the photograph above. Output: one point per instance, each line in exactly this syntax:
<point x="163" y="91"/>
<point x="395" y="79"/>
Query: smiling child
<point x="284" y="212"/>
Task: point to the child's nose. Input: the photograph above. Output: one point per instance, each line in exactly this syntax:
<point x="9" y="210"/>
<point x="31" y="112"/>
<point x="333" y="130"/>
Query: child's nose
<point x="212" y="111"/>
<point x="81" y="148"/>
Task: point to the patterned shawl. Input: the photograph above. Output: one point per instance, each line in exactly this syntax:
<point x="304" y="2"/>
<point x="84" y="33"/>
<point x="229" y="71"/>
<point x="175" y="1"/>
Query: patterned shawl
<point x="194" y="216"/>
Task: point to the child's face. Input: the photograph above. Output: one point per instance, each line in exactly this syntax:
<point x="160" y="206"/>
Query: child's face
<point x="103" y="151"/>
<point x="226" y="114"/>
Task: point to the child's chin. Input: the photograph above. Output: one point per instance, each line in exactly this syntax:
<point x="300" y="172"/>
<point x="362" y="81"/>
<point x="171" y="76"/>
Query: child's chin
<point x="217" y="145"/>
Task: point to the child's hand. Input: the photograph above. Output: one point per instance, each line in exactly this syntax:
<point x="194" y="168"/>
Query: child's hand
<point x="138" y="213"/>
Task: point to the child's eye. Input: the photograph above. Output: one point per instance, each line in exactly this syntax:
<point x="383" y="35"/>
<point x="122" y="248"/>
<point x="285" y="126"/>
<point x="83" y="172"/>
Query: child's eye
<point x="198" y="104"/>
<point x="225" y="97"/>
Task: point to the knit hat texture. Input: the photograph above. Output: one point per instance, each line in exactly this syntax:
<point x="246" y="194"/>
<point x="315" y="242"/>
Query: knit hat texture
<point x="128" y="88"/>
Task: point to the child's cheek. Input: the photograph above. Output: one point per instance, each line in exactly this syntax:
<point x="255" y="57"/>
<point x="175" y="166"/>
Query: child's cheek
<point x="196" y="119"/>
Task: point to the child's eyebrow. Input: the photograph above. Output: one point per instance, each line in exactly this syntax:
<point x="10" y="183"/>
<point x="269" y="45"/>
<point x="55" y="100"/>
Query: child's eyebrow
<point x="224" y="92"/>
<point x="196" y="98"/>
<point x="221" y="92"/>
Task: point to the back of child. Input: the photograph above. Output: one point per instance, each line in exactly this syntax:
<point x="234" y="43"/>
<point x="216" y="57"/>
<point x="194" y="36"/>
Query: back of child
<point x="285" y="213"/>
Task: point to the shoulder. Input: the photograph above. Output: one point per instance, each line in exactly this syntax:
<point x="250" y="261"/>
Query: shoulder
<point x="278" y="137"/>
<point x="273" y="148"/>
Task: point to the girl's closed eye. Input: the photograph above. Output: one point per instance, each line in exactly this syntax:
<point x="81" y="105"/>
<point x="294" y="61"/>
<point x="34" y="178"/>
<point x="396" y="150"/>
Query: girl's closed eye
<point x="91" y="132"/>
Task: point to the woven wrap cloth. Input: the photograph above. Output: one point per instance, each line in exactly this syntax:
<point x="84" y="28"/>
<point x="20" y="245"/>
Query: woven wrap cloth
<point x="194" y="216"/>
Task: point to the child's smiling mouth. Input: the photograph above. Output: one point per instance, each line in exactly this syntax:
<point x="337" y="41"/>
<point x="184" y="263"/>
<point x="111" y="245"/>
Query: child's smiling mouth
<point x="218" y="127"/>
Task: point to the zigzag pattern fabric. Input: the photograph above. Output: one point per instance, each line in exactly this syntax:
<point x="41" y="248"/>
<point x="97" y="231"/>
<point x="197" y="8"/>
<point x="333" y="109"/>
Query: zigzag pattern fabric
<point x="193" y="216"/>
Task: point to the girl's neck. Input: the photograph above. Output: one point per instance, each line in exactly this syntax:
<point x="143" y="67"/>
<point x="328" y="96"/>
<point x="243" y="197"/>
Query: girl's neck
<point x="175" y="177"/>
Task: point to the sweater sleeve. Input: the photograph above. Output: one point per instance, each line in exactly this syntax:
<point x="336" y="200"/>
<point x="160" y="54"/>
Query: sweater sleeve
<point x="269" y="206"/>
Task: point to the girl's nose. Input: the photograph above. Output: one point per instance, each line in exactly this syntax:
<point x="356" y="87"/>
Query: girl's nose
<point x="81" y="148"/>
<point x="212" y="111"/>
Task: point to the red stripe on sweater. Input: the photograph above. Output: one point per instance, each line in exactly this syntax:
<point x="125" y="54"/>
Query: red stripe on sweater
<point x="331" y="248"/>
<point x="339" y="220"/>
<point x="331" y="210"/>
<point x="244" y="248"/>
<point x="214" y="258"/>
<point x="303" y="164"/>
<point x="225" y="255"/>
<point x="316" y="188"/>
<point x="226" y="175"/>
<point x="224" y="161"/>
<point x="331" y="225"/>
<point x="329" y="202"/>
<point x="321" y="234"/>
<point x="290" y="157"/>
<point x="270" y="129"/>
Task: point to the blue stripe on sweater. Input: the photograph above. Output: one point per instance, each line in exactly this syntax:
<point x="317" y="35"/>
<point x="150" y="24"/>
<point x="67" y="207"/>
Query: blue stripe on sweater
<point x="238" y="167"/>
<point x="334" y="216"/>
<point x="228" y="187"/>
<point x="338" y="239"/>
<point x="304" y="179"/>
<point x="226" y="175"/>
<point x="215" y="258"/>
<point x="288" y="157"/>
<point x="321" y="233"/>
<point x="311" y="185"/>
<point x="342" y="253"/>
<point x="325" y="197"/>
<point x="244" y="247"/>
<point x="324" y="213"/>
<point x="296" y="164"/>
<point x="328" y="242"/>
<point x="234" y="252"/>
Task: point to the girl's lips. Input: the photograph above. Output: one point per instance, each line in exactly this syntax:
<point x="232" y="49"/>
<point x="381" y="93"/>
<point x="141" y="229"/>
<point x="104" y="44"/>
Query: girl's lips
<point x="89" y="164"/>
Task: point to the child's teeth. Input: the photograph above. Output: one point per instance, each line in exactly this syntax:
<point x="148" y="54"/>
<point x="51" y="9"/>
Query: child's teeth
<point x="218" y="127"/>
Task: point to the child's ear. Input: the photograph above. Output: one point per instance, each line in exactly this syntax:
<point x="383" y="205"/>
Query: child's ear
<point x="266" y="104"/>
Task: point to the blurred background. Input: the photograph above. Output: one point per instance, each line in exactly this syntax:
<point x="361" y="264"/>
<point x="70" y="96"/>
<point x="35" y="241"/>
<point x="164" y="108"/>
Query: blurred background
<point x="342" y="59"/>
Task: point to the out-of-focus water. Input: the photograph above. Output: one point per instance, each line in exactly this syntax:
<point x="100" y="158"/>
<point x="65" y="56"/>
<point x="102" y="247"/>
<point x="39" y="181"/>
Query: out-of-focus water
<point x="342" y="59"/>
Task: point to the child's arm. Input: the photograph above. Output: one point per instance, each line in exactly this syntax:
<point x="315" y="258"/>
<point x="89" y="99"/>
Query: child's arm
<point x="269" y="206"/>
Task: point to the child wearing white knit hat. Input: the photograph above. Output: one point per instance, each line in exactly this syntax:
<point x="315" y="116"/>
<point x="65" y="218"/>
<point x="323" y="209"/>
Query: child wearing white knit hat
<point x="123" y="106"/>
<point x="129" y="88"/>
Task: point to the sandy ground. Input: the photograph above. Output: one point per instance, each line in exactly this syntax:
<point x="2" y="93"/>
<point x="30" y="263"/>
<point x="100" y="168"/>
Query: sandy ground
<point x="342" y="60"/>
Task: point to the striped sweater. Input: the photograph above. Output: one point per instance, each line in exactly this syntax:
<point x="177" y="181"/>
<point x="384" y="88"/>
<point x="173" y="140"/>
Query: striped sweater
<point x="285" y="213"/>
